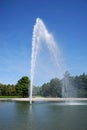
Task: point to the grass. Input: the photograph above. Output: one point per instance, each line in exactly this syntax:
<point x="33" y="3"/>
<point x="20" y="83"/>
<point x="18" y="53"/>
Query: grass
<point x="10" y="97"/>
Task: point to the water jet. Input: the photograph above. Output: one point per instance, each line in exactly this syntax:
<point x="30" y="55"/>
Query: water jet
<point x="40" y="34"/>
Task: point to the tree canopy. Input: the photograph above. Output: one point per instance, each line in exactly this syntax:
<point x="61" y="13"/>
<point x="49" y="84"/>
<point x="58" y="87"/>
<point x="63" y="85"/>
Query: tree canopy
<point x="54" y="88"/>
<point x="22" y="87"/>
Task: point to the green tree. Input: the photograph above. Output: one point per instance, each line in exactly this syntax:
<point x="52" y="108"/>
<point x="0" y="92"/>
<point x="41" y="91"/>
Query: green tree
<point x="52" y="89"/>
<point x="10" y="90"/>
<point x="22" y="87"/>
<point x="45" y="91"/>
<point x="83" y="78"/>
<point x="55" y="88"/>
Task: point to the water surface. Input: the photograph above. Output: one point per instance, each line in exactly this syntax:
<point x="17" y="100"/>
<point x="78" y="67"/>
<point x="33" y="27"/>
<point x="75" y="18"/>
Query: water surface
<point x="43" y="116"/>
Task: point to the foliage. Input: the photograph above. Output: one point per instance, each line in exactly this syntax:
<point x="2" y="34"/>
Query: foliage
<point x="36" y="90"/>
<point x="6" y="90"/>
<point x="76" y="85"/>
<point x="22" y="87"/>
<point x="50" y="89"/>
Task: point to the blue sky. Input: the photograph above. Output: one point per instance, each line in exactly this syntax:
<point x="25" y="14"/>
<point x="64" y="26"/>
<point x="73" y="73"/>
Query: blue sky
<point x="65" y="19"/>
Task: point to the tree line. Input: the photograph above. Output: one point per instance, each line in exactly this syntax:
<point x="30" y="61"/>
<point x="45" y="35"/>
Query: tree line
<point x="68" y="86"/>
<point x="73" y="86"/>
<point x="21" y="89"/>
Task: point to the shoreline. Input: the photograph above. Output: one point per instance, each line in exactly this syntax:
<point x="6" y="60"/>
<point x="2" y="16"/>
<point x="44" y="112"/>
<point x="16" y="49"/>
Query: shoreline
<point x="43" y="99"/>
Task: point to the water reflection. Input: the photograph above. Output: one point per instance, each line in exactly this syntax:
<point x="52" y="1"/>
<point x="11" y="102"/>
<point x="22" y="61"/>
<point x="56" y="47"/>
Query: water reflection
<point x="43" y="116"/>
<point x="23" y="112"/>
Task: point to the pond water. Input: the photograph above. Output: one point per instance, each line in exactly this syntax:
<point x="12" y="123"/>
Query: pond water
<point x="43" y="116"/>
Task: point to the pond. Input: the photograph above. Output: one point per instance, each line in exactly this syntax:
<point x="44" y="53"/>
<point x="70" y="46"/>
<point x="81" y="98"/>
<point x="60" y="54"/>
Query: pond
<point x="43" y="116"/>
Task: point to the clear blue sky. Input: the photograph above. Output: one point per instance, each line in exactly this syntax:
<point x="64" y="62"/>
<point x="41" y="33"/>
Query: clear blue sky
<point x="66" y="19"/>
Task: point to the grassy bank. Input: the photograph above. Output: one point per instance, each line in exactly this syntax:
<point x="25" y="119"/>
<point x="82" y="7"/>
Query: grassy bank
<point x="10" y="97"/>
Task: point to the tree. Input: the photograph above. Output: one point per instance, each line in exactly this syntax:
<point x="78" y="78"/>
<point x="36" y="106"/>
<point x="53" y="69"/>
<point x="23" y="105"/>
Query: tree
<point x="10" y="90"/>
<point x="68" y="86"/>
<point x="45" y="91"/>
<point x="52" y="89"/>
<point x="22" y="87"/>
<point x="55" y="88"/>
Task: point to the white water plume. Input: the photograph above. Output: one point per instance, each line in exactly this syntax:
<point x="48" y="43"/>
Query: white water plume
<point x="41" y="35"/>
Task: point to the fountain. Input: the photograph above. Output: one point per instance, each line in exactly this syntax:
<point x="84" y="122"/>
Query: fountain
<point x="58" y="114"/>
<point x="40" y="35"/>
<point x="46" y="116"/>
